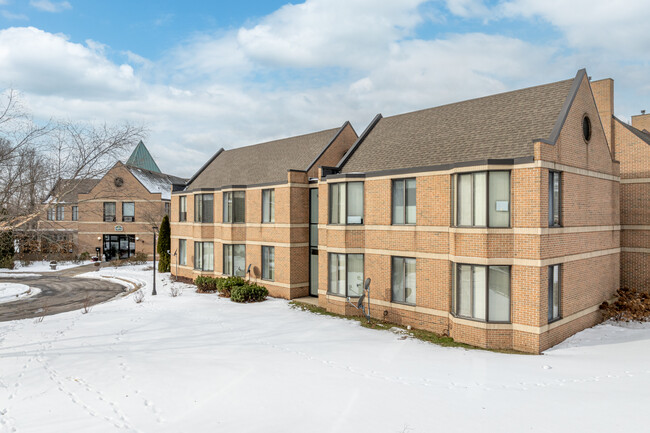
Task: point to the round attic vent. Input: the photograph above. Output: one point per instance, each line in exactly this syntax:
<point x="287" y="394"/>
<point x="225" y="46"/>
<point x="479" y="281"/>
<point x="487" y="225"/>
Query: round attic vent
<point x="119" y="182"/>
<point x="586" y="128"/>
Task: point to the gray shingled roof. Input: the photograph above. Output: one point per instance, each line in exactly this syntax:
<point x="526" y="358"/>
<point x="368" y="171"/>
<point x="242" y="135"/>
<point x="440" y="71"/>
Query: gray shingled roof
<point x="643" y="135"/>
<point x="68" y="190"/>
<point x="262" y="163"/>
<point x="500" y="126"/>
<point x="156" y="182"/>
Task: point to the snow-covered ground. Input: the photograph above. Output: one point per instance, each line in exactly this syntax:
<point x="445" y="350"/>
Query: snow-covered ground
<point x="198" y="363"/>
<point x="10" y="292"/>
<point x="43" y="266"/>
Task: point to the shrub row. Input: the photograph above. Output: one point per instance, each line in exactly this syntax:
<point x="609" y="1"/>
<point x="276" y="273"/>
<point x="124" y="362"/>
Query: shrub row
<point x="235" y="288"/>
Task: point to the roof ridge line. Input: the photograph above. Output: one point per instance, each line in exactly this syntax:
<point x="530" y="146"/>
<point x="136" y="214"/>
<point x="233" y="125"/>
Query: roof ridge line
<point x="568" y="102"/>
<point x="360" y="140"/>
<point x="322" y="152"/>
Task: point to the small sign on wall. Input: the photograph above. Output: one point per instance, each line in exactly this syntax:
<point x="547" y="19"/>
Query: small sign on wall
<point x="119" y="228"/>
<point x="502" y="206"/>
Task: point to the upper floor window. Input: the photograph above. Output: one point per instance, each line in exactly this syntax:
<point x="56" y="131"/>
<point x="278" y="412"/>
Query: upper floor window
<point x="346" y="203"/>
<point x="234" y="260"/>
<point x="128" y="211"/>
<point x="182" y="251"/>
<point x="75" y="213"/>
<point x="404" y="201"/>
<point x="182" y="208"/>
<point x="553" y="292"/>
<point x="109" y="211"/>
<point x="482" y="199"/>
<point x="203" y="208"/>
<point x="554" y="185"/>
<point x="234" y="207"/>
<point x="403" y="280"/>
<point x="51" y="214"/>
<point x="481" y="292"/>
<point x="168" y="208"/>
<point x="60" y="213"/>
<point x="268" y="205"/>
<point x="346" y="274"/>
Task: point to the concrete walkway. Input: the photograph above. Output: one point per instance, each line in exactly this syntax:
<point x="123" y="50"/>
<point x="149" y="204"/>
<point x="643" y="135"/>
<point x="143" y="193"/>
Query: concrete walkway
<point x="61" y="291"/>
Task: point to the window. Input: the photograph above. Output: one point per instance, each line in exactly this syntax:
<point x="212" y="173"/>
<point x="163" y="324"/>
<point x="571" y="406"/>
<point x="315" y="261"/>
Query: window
<point x="234" y="207"/>
<point x="346" y="203"/>
<point x="182" y="208"/>
<point x="346" y="274"/>
<point x="204" y="256"/>
<point x="481" y="292"/>
<point x="268" y="263"/>
<point x="586" y="128"/>
<point x="168" y="208"/>
<point x="109" y="211"/>
<point x="182" y="252"/>
<point x="51" y="214"/>
<point x="268" y="205"/>
<point x="234" y="260"/>
<point x="554" y="204"/>
<point x="553" y="292"/>
<point x="403" y="280"/>
<point x="128" y="211"/>
<point x="482" y="199"/>
<point x="203" y="207"/>
<point x="60" y="213"/>
<point x="75" y="213"/>
<point x="404" y="201"/>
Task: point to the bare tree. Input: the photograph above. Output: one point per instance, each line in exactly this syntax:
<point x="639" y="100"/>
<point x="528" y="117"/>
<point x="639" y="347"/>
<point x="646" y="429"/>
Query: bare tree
<point x="36" y="157"/>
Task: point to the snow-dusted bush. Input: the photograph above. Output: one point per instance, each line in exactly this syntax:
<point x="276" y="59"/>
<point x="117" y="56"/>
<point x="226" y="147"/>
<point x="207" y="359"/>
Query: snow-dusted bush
<point x="248" y="293"/>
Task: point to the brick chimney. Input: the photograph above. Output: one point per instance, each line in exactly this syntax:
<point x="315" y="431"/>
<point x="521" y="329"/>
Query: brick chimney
<point x="641" y="121"/>
<point x="603" y="91"/>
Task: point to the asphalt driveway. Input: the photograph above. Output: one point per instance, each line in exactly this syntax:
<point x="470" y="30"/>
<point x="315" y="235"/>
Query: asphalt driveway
<point x="60" y="292"/>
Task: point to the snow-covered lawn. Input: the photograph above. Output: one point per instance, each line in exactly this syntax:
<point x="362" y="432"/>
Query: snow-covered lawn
<point x="10" y="292"/>
<point x="198" y="363"/>
<point x="43" y="266"/>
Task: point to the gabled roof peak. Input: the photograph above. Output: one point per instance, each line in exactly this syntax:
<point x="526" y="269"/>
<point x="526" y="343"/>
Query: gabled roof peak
<point x="141" y="158"/>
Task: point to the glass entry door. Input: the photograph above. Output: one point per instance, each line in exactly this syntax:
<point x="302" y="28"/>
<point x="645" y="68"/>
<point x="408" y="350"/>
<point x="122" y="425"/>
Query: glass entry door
<point x="313" y="242"/>
<point x="119" y="246"/>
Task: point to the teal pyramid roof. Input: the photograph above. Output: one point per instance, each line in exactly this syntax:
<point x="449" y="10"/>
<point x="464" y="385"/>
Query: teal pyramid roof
<point x="141" y="158"/>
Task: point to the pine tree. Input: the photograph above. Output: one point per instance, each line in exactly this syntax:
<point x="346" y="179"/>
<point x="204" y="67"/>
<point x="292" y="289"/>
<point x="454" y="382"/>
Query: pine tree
<point x="7" y="249"/>
<point x="164" y="244"/>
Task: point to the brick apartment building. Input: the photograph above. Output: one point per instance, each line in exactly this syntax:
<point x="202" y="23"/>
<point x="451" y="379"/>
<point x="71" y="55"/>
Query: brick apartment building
<point x="250" y="206"/>
<point x="496" y="221"/>
<point x="115" y="213"/>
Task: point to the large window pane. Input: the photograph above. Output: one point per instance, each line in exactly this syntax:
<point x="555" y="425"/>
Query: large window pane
<point x="198" y="255"/>
<point x="465" y="200"/>
<point x="182" y="208"/>
<point x="268" y="263"/>
<point x="227" y="207"/>
<point x="268" y="206"/>
<point x="355" y="274"/>
<point x="337" y="273"/>
<point x="398" y="279"/>
<point x="239" y="203"/>
<point x="337" y="207"/>
<point x="355" y="203"/>
<point x="410" y="201"/>
<point x="554" y="199"/>
<point x="554" y="292"/>
<point x="208" y="256"/>
<point x="480" y="196"/>
<point x="464" y="295"/>
<point x="313" y="206"/>
<point x="239" y="260"/>
<point x="499" y="199"/>
<point x="227" y="259"/>
<point x="182" y="252"/>
<point x="499" y="294"/>
<point x="478" y="294"/>
<point x="399" y="200"/>
<point x="409" y="281"/>
<point x="198" y="208"/>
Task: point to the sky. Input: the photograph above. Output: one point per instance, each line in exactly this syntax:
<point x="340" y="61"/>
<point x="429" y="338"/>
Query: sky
<point x="201" y="75"/>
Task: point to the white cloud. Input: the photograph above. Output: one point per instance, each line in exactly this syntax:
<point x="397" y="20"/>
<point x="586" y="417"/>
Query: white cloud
<point x="12" y="16"/>
<point x="468" y="8"/>
<point x="50" y="6"/>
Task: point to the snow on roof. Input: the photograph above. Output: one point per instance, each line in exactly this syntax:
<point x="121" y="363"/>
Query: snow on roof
<point x="156" y="183"/>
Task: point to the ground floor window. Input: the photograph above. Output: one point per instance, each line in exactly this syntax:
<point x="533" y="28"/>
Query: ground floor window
<point x="182" y="252"/>
<point x="403" y="280"/>
<point x="553" y="292"/>
<point x="346" y="274"/>
<point x="234" y="260"/>
<point x="268" y="263"/>
<point x="204" y="256"/>
<point x="481" y="292"/>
